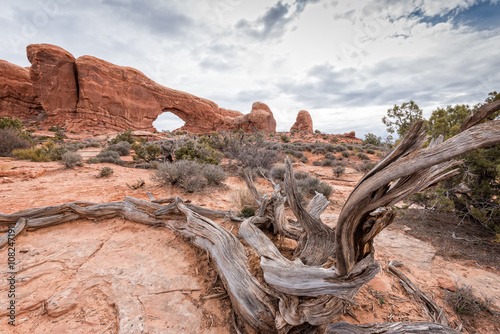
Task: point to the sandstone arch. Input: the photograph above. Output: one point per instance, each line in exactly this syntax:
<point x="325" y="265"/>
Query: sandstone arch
<point x="89" y="93"/>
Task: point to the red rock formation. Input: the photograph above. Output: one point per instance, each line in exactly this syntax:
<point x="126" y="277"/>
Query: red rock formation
<point x="53" y="74"/>
<point x="303" y="122"/>
<point x="351" y="134"/>
<point x="260" y="119"/>
<point x="17" y="96"/>
<point x="91" y="94"/>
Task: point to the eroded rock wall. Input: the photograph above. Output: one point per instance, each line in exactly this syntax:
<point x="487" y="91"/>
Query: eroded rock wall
<point x="90" y="94"/>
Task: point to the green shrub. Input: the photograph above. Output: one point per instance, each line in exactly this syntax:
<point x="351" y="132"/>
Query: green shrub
<point x="285" y="138"/>
<point x="37" y="154"/>
<point x="125" y="136"/>
<point x="247" y="212"/>
<point x="10" y="123"/>
<point x="146" y="152"/>
<point x="122" y="148"/>
<point x="71" y="159"/>
<point x="372" y="139"/>
<point x="200" y="152"/>
<point x="189" y="175"/>
<point x="303" y="159"/>
<point x="107" y="156"/>
<point x="363" y="156"/>
<point x="370" y="151"/>
<point x="346" y="154"/>
<point x="11" y="140"/>
<point x="106" y="171"/>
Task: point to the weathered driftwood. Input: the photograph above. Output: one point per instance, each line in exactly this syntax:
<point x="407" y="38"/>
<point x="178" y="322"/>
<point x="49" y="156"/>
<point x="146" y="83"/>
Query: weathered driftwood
<point x="432" y="309"/>
<point x="342" y="327"/>
<point x="330" y="265"/>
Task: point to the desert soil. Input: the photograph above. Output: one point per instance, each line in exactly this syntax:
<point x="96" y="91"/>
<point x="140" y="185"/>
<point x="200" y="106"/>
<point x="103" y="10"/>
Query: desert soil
<point x="114" y="276"/>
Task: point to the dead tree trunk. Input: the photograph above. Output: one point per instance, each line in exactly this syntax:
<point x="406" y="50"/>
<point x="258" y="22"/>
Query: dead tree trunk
<point x="330" y="265"/>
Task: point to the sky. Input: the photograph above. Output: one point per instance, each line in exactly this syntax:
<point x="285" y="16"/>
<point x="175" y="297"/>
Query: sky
<point x="346" y="62"/>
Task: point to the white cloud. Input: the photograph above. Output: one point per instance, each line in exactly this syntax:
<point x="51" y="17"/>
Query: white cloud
<point x="346" y="62"/>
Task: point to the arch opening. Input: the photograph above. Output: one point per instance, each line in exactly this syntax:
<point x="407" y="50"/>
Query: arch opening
<point x="168" y="121"/>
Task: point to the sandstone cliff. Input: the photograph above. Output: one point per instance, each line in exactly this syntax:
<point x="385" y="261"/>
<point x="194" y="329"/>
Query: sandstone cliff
<point x="88" y="93"/>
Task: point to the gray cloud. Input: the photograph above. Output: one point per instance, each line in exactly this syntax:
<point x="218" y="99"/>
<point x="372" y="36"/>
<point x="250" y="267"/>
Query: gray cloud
<point x="272" y="24"/>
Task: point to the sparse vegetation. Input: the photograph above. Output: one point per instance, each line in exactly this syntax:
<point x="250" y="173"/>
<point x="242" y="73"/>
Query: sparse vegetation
<point x="338" y="170"/>
<point x="107" y="156"/>
<point x="189" y="175"/>
<point x="71" y="159"/>
<point x="11" y="140"/>
<point x="106" y="172"/>
<point x="122" y="148"/>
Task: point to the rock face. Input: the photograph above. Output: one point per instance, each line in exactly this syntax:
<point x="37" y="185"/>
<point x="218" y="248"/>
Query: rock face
<point x="260" y="118"/>
<point x="17" y="95"/>
<point x="91" y="94"/>
<point x="53" y="74"/>
<point x="303" y="122"/>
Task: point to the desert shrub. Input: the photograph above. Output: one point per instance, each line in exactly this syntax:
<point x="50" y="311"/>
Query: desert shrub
<point x="346" y="154"/>
<point x="363" y="156"/>
<point x="370" y="151"/>
<point x="107" y="156"/>
<point x="200" y="152"/>
<point x="319" y="150"/>
<point x="11" y="140"/>
<point x="329" y="147"/>
<point x="285" y="138"/>
<point x="294" y="153"/>
<point x="55" y="152"/>
<point x="304" y="159"/>
<point x="213" y="174"/>
<point x="189" y="175"/>
<point x="122" y="148"/>
<point x="55" y="128"/>
<point x="106" y="171"/>
<point x="247" y="212"/>
<point x="317" y="163"/>
<point x="92" y="143"/>
<point x="278" y="172"/>
<point x="349" y="147"/>
<point x="125" y="136"/>
<point x="464" y="302"/>
<point x="338" y="170"/>
<point x="330" y="156"/>
<point x="339" y="148"/>
<point x="48" y="152"/>
<point x="71" y="159"/>
<point x="327" y="163"/>
<point x="10" y="123"/>
<point x="37" y="154"/>
<point x="308" y="187"/>
<point x="146" y="152"/>
<point x="365" y="166"/>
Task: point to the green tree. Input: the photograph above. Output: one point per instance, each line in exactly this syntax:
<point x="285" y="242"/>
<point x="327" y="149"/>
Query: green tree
<point x="475" y="192"/>
<point x="400" y="118"/>
<point x="372" y="139"/>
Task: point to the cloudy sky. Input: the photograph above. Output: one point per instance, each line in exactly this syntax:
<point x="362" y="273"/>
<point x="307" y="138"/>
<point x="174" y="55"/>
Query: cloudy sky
<point x="346" y="62"/>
